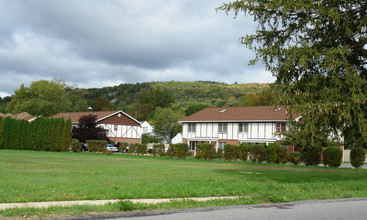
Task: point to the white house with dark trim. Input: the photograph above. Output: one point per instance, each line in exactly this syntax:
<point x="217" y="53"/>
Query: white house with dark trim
<point x="121" y="127"/>
<point x="234" y="125"/>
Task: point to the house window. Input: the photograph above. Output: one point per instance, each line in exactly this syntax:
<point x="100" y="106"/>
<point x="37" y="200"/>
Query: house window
<point x="222" y="127"/>
<point x="191" y="127"/>
<point x="243" y="127"/>
<point x="222" y="144"/>
<point x="192" y="145"/>
<point x="145" y="129"/>
<point x="280" y="127"/>
<point x="115" y="127"/>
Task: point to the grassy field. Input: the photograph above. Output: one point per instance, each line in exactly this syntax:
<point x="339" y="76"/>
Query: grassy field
<point x="28" y="176"/>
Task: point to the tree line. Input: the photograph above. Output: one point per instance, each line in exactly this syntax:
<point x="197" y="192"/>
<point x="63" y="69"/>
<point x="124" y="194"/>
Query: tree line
<point x="43" y="134"/>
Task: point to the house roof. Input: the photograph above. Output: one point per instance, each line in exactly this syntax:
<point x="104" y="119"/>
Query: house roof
<point x="250" y="113"/>
<point x="101" y="115"/>
<point x="22" y="115"/>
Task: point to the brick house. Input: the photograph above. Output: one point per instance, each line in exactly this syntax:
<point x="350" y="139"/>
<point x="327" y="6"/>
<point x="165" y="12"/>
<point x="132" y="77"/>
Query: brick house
<point x="120" y="126"/>
<point x="234" y="125"/>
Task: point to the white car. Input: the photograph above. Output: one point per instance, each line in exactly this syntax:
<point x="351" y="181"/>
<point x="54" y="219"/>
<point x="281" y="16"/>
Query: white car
<point x="110" y="147"/>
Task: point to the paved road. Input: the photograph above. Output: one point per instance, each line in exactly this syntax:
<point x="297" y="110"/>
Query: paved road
<point x="313" y="209"/>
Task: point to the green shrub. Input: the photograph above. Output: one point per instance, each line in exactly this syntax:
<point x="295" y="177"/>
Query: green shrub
<point x="257" y="153"/>
<point x="97" y="146"/>
<point x="141" y="149"/>
<point x="295" y="157"/>
<point x="206" y="151"/>
<point x="283" y="155"/>
<point x="332" y="156"/>
<point x="171" y="150"/>
<point x="76" y="146"/>
<point x="220" y="153"/>
<point x="312" y="156"/>
<point x="181" y="150"/>
<point x="123" y="146"/>
<point x="150" y="151"/>
<point x="357" y="156"/>
<point x="243" y="150"/>
<point x="271" y="152"/>
<point x="230" y="152"/>
<point x="158" y="149"/>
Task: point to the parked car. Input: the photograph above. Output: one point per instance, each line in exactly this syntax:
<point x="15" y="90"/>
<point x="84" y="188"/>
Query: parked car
<point x="84" y="147"/>
<point x="110" y="147"/>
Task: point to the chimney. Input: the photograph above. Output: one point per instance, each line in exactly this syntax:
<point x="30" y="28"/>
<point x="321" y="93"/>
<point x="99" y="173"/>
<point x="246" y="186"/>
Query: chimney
<point x="90" y="109"/>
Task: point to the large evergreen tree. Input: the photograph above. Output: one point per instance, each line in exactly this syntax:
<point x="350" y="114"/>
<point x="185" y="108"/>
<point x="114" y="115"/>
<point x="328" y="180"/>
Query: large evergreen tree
<point x="317" y="50"/>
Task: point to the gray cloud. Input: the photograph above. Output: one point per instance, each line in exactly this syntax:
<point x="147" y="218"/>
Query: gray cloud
<point x="100" y="43"/>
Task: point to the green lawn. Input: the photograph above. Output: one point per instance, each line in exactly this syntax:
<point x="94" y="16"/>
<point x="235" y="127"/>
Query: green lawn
<point x="27" y="176"/>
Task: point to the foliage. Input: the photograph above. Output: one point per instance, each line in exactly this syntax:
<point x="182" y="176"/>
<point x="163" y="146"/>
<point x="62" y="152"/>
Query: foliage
<point x="357" y="156"/>
<point x="283" y="155"/>
<point x="230" y="152"/>
<point x="147" y="138"/>
<point x="45" y="134"/>
<point x="141" y="149"/>
<point x="332" y="156"/>
<point x="101" y="104"/>
<point x="312" y="157"/>
<point x="159" y="149"/>
<point x="243" y="149"/>
<point x="206" y="151"/>
<point x="171" y="150"/>
<point x="295" y="157"/>
<point x="43" y="97"/>
<point x="272" y="152"/>
<point x="219" y="153"/>
<point x="1" y="132"/>
<point x="317" y="52"/>
<point x="88" y="129"/>
<point x="76" y="146"/>
<point x="97" y="146"/>
<point x="133" y="149"/>
<point x="165" y="121"/>
<point x="123" y="146"/>
<point x="181" y="150"/>
<point x="195" y="108"/>
<point x="257" y="153"/>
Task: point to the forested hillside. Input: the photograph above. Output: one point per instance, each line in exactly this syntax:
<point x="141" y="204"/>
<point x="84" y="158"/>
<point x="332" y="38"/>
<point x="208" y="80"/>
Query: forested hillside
<point x="139" y="100"/>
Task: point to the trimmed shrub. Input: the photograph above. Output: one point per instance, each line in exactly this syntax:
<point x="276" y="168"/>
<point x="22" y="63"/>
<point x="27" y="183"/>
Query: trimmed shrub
<point x="181" y="150"/>
<point x="332" y="156"/>
<point x="76" y="146"/>
<point x="141" y="149"/>
<point x="295" y="157"/>
<point x="132" y="149"/>
<point x="159" y="149"/>
<point x="171" y="150"/>
<point x="257" y="153"/>
<point x="230" y="152"/>
<point x="357" y="156"/>
<point x="123" y="146"/>
<point x="283" y="155"/>
<point x="271" y="152"/>
<point x="220" y="153"/>
<point x="312" y="156"/>
<point x="206" y="151"/>
<point x="243" y="150"/>
<point x="97" y="146"/>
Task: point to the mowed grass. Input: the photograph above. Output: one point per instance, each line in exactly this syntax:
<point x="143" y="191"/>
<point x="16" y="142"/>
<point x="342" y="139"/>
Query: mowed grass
<point x="30" y="176"/>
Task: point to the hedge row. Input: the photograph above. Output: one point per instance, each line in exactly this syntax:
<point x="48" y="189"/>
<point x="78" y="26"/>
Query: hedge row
<point x="138" y="149"/>
<point x="43" y="134"/>
<point x="178" y="150"/>
<point x="97" y="146"/>
<point x="206" y="151"/>
<point x="159" y="149"/>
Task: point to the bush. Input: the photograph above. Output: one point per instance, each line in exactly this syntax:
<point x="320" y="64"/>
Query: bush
<point x="257" y="153"/>
<point x="123" y="146"/>
<point x="171" y="150"/>
<point x="243" y="149"/>
<point x="181" y="150"/>
<point x="206" y="151"/>
<point x="295" y="157"/>
<point x="150" y="151"/>
<point x="230" y="152"/>
<point x="332" y="156"/>
<point x="271" y="153"/>
<point x="283" y="155"/>
<point x="141" y="149"/>
<point x="220" y="153"/>
<point x="97" y="146"/>
<point x="312" y="156"/>
<point x="132" y="148"/>
<point x="76" y="146"/>
<point x="158" y="149"/>
<point x="357" y="156"/>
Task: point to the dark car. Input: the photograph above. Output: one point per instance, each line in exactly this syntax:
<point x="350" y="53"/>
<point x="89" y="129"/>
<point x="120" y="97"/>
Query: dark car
<point x="84" y="147"/>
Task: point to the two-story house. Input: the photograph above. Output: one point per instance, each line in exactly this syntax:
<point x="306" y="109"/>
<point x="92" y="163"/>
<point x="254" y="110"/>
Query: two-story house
<point x="234" y="125"/>
<point x="120" y="126"/>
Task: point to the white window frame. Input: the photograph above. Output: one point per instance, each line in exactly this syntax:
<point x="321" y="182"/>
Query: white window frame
<point x="115" y="127"/>
<point x="192" y="145"/>
<point x="221" y="145"/>
<point x="243" y="127"/>
<point x="191" y="127"/>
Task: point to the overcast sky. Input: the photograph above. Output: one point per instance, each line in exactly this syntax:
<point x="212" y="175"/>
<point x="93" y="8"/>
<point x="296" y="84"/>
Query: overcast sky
<point x="94" y="43"/>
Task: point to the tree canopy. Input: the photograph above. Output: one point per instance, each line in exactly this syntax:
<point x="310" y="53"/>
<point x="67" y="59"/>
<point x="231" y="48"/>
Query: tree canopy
<point x="317" y="51"/>
<point x="165" y="121"/>
<point x="88" y="129"/>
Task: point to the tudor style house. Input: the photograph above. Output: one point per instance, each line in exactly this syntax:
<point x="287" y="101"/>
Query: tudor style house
<point x="234" y="125"/>
<point x="120" y="126"/>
